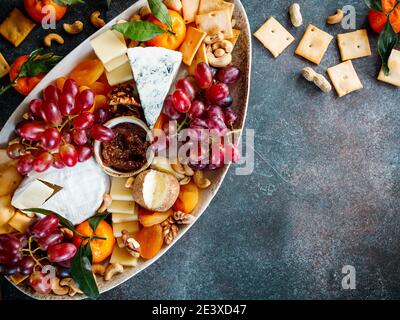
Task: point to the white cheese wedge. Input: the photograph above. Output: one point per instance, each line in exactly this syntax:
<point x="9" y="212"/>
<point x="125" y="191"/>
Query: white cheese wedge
<point x="127" y="207"/>
<point x="119" y="191"/>
<point x="123" y="217"/>
<point x="81" y="194"/>
<point x="122" y="256"/>
<point x="154" y="70"/>
<point x="108" y="46"/>
<point x="120" y="75"/>
<point x="31" y="193"/>
<point x="115" y="63"/>
<point x="131" y="227"/>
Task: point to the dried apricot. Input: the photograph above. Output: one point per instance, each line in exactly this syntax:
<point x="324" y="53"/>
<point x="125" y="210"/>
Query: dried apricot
<point x="148" y="218"/>
<point x="100" y="101"/>
<point x="87" y="72"/>
<point x="188" y="198"/>
<point x="100" y="88"/>
<point x="151" y="241"/>
<point x="60" y="82"/>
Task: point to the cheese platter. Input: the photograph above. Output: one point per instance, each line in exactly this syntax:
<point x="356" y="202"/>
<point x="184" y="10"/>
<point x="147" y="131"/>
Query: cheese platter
<point x="86" y="180"/>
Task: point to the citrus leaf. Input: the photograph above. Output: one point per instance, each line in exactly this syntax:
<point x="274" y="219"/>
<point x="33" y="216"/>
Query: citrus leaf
<point x="38" y="63"/>
<point x="81" y="271"/>
<point x="139" y="30"/>
<point x="64" y="222"/>
<point x="386" y="42"/>
<point x="160" y="11"/>
<point x="68" y="2"/>
<point x="374" y="5"/>
<point x="95" y="220"/>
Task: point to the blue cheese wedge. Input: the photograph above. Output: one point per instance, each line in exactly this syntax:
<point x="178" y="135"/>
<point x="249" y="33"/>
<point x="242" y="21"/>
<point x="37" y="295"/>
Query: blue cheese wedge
<point x="154" y="70"/>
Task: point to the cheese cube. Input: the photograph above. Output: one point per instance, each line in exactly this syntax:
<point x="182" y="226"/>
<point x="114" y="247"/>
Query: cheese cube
<point x="123" y="217"/>
<point x="33" y="196"/>
<point x="115" y="63"/>
<point x="122" y="256"/>
<point x="119" y="191"/>
<point x="127" y="207"/>
<point x="108" y="46"/>
<point x="120" y="75"/>
<point x="131" y="227"/>
<point x="20" y="222"/>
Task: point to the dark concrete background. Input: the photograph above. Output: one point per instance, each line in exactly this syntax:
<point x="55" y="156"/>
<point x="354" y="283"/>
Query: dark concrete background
<point x="324" y="193"/>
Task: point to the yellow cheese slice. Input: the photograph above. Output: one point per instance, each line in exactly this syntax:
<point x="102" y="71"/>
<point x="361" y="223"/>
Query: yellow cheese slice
<point x="120" y="75"/>
<point x="201" y="56"/>
<point x="122" y="256"/>
<point x="20" y="222"/>
<point x="4" y="66"/>
<point x="194" y="38"/>
<point x="108" y="46"/>
<point x="127" y="207"/>
<point x="190" y="9"/>
<point x="115" y="63"/>
<point x="131" y="227"/>
<point x="123" y="217"/>
<point x="119" y="191"/>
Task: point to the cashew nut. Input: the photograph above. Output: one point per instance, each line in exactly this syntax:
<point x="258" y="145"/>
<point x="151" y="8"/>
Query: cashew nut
<point x="144" y="12"/>
<point x="218" y="62"/>
<point x="213" y="38"/>
<point x="177" y="167"/>
<point x="68" y="233"/>
<point x="223" y="44"/>
<point x="99" y="269"/>
<point x="73" y="28"/>
<point x="52" y="37"/>
<point x="57" y="288"/>
<point x="295" y="15"/>
<point x="200" y="181"/>
<point x="70" y="283"/>
<point x="185" y="181"/>
<point x="96" y="20"/>
<point x="336" y="18"/>
<point x="318" y="79"/>
<point x="135" y="17"/>
<point x="112" y="270"/>
<point x="188" y="170"/>
<point x="107" y="200"/>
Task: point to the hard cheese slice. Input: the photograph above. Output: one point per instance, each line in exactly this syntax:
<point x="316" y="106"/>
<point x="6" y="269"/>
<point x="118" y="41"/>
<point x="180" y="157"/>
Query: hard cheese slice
<point x="128" y="207"/>
<point x="124" y="217"/>
<point x="108" y="46"/>
<point x="120" y="75"/>
<point x="154" y="70"/>
<point x="115" y="63"/>
<point x="394" y="70"/>
<point x="119" y="191"/>
<point x="32" y="193"/>
<point x="131" y="227"/>
<point x="122" y="256"/>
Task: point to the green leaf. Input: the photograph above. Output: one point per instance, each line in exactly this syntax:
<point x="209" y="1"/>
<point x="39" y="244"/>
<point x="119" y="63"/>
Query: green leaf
<point x="38" y="63"/>
<point x="68" y="2"/>
<point x="374" y="4"/>
<point x="64" y="222"/>
<point x="81" y="271"/>
<point x="386" y="42"/>
<point x="95" y="220"/>
<point x="139" y="30"/>
<point x="160" y="11"/>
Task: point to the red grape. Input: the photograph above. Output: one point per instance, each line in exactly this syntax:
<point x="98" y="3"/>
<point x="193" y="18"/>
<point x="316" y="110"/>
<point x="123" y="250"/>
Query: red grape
<point x="80" y="137"/>
<point x="84" y="121"/>
<point x="232" y="153"/>
<point x="227" y="102"/>
<point x="35" y="107"/>
<point x="84" y="153"/>
<point x="70" y="87"/>
<point x="11" y="269"/>
<point x="51" y="114"/>
<point x="45" y="226"/>
<point x="66" y="135"/>
<point x="203" y="75"/>
<point x="51" y="94"/>
<point x="40" y="282"/>
<point x="217" y="112"/>
<point x="19" y="125"/>
<point x="65" y="264"/>
<point x="181" y="101"/>
<point x="217" y="126"/>
<point x="61" y="252"/>
<point x="51" y="139"/>
<point x="42" y="162"/>
<point x="67" y="104"/>
<point x="102" y="133"/>
<point x="32" y="130"/>
<point x="15" y="150"/>
<point x="84" y="101"/>
<point x="102" y="115"/>
<point x="57" y="162"/>
<point x="55" y="238"/>
<point x="217" y="92"/>
<point x="9" y="245"/>
<point x="230" y="117"/>
<point x="69" y="155"/>
<point x="169" y="109"/>
<point x="228" y="75"/>
<point x="196" y="109"/>
<point x="187" y="87"/>
<point x="26" y="265"/>
<point x="217" y="156"/>
<point x="25" y="164"/>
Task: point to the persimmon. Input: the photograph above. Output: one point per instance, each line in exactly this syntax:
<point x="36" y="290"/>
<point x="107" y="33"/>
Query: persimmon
<point x="188" y="198"/>
<point x="173" y="40"/>
<point x="378" y="20"/>
<point x="87" y="72"/>
<point x="23" y="85"/>
<point x="101" y="249"/>
<point x="35" y="9"/>
<point x="151" y="241"/>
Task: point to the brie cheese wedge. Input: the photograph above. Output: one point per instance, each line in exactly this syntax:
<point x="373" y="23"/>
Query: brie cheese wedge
<point x="79" y="195"/>
<point x="154" y="70"/>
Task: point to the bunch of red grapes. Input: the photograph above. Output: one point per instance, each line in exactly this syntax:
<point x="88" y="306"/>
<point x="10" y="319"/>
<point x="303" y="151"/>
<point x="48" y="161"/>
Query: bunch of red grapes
<point x="58" y="130"/>
<point x="206" y="102"/>
<point x="41" y="245"/>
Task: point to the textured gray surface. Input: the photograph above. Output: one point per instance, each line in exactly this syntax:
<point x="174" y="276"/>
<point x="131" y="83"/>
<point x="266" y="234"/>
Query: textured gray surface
<point x="324" y="193"/>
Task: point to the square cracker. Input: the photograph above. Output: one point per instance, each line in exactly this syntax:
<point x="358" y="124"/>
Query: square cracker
<point x="353" y="45"/>
<point x="4" y="66"/>
<point x="216" y="21"/>
<point x="193" y="40"/>
<point x="314" y="44"/>
<point x="344" y="78"/>
<point x="16" y="27"/>
<point x="207" y="6"/>
<point x="394" y="73"/>
<point x="201" y="56"/>
<point x="274" y="36"/>
<point x="190" y="9"/>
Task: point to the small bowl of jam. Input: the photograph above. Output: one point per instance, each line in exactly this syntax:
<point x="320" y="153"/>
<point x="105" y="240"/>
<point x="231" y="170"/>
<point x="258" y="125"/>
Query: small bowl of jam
<point x="129" y="153"/>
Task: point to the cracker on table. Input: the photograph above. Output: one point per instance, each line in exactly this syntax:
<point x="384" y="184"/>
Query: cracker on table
<point x="16" y="27"/>
<point x="394" y="69"/>
<point x="353" y="45"/>
<point x="216" y="21"/>
<point x="274" y="36"/>
<point x="344" y="78"/>
<point x="314" y="44"/>
<point x="4" y="66"/>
